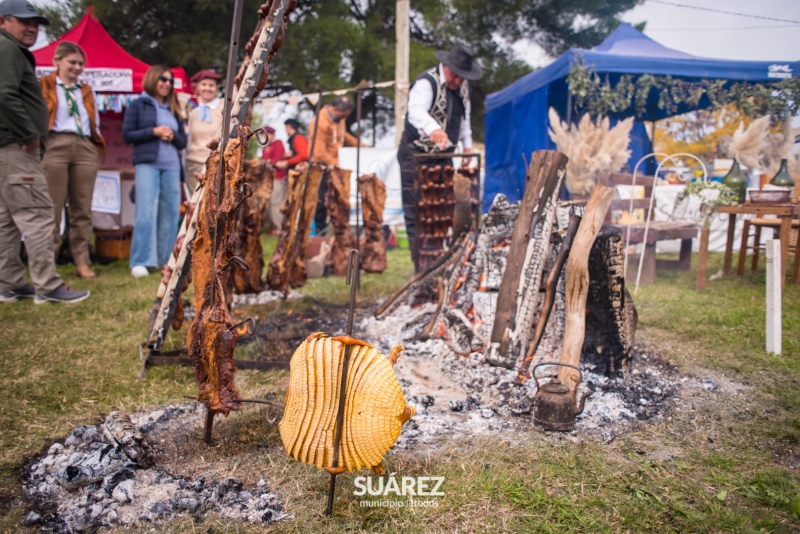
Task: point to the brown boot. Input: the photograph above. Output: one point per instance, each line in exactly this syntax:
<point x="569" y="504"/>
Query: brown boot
<point x="83" y="271"/>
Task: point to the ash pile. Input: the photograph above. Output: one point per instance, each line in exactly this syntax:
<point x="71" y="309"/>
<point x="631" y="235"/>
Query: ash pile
<point x="107" y="476"/>
<point x="494" y="308"/>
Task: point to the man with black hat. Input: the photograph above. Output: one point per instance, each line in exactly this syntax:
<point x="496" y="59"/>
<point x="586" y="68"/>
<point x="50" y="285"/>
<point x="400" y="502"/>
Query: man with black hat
<point x="25" y="206"/>
<point x="438" y="117"/>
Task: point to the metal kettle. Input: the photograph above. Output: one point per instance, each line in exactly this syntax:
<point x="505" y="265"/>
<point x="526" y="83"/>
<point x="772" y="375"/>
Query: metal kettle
<point x="554" y="403"/>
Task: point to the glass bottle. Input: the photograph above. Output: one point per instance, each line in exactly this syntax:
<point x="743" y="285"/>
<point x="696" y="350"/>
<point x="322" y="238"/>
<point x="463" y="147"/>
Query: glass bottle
<point x="736" y="180"/>
<point x="782" y="177"/>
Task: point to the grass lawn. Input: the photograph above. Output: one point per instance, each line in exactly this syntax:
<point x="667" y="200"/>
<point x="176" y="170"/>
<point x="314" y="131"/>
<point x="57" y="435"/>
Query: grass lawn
<point x="709" y="467"/>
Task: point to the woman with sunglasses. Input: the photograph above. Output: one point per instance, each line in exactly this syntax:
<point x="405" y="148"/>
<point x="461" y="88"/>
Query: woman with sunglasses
<point x="154" y="127"/>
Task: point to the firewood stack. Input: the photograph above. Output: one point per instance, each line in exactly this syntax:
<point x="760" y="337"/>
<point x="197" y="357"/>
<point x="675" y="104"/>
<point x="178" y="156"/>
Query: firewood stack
<point x="373" y="242"/>
<point x="487" y="284"/>
<point x="435" y="211"/>
<point x="337" y="202"/>
<point x="259" y="175"/>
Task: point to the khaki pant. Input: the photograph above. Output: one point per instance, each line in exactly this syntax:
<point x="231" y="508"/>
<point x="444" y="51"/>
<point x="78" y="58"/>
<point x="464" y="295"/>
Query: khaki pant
<point x="25" y="211"/>
<point x="276" y="200"/>
<point x="70" y="166"/>
<point x="191" y="168"/>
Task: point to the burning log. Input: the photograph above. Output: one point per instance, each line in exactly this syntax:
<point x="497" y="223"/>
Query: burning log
<point x="373" y="242"/>
<point x="611" y="317"/>
<point x="577" y="280"/>
<point x="287" y="266"/>
<point x="550" y="294"/>
<point x="212" y="339"/>
<point x="530" y="248"/>
<point x="337" y="202"/>
<point x="462" y="205"/>
<point x="259" y="176"/>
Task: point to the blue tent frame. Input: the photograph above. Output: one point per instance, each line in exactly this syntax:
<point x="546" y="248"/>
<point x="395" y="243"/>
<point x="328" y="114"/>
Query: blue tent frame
<point x="516" y="122"/>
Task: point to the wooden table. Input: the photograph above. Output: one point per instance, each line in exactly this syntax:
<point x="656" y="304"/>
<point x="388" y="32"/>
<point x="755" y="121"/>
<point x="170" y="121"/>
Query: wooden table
<point x="785" y="212"/>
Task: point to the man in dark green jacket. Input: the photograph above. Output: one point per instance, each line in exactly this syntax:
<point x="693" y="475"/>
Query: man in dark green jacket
<point x="25" y="206"/>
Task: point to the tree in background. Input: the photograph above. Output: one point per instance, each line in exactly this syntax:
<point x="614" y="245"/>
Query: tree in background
<point x="337" y="43"/>
<point x="705" y="133"/>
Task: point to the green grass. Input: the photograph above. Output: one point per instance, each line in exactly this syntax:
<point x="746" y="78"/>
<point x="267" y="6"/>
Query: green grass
<point x="733" y="465"/>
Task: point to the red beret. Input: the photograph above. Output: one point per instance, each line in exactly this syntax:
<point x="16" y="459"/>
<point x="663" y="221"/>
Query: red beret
<point x="206" y="73"/>
<point x="269" y="129"/>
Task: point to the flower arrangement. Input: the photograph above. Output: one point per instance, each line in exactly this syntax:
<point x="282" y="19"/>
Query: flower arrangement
<point x="712" y="195"/>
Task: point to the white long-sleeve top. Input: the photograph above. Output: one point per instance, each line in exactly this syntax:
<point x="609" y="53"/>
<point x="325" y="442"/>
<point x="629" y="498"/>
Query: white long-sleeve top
<point x="420" y="100"/>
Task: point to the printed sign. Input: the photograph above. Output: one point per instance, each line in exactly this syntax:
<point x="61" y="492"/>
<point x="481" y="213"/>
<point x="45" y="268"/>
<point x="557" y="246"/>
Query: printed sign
<point x="107" y="197"/>
<point x="101" y="80"/>
<point x="779" y="71"/>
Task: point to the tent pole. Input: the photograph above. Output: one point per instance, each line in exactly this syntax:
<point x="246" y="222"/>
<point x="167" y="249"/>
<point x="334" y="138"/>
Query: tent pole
<point x="653" y="136"/>
<point x="569" y="107"/>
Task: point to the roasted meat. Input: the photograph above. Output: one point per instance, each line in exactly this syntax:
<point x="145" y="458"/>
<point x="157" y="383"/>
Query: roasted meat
<point x="211" y="338"/>
<point x="288" y="264"/>
<point x="259" y="176"/>
<point x="373" y="242"/>
<point x="337" y="202"/>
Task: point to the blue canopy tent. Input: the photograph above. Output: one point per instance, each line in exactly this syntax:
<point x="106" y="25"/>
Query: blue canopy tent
<point x="516" y="117"/>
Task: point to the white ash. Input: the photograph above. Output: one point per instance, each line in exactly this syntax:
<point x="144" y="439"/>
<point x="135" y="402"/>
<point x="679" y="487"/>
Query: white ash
<point x="265" y="297"/>
<point x="84" y="483"/>
<point x="444" y="387"/>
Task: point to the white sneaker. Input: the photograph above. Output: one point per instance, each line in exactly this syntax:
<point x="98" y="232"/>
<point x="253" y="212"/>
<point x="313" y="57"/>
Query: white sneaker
<point x="139" y="271"/>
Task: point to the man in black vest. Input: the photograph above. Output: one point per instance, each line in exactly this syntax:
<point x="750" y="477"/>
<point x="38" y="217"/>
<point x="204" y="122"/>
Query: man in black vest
<point x="438" y="117"/>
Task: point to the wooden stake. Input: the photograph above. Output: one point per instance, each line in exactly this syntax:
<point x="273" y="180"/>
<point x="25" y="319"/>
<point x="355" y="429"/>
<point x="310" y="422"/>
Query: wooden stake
<point x="577" y="282"/>
<point x="774" y="279"/>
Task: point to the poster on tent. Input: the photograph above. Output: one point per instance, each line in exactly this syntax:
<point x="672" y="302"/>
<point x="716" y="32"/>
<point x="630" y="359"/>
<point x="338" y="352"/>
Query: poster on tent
<point x="101" y="80"/>
<point x="383" y="163"/>
<point x="107" y="197"/>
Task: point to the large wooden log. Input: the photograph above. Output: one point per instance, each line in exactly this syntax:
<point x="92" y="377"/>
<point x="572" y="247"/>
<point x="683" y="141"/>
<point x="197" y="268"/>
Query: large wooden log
<point x="577" y="281"/>
<point x="530" y="245"/>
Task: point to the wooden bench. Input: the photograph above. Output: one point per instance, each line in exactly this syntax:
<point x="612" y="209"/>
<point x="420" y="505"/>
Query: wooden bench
<point x="657" y="231"/>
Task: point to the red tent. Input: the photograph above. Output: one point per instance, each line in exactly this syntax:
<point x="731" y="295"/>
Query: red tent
<point x="109" y="68"/>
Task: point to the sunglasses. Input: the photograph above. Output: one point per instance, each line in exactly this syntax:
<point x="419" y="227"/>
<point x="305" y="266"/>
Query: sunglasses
<point x="166" y="79"/>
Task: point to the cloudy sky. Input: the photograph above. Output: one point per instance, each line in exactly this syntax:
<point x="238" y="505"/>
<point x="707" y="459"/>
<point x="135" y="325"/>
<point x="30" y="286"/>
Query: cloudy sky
<point x="713" y="34"/>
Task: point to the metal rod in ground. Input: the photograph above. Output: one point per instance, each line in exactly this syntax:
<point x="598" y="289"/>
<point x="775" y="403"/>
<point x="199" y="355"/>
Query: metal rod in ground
<point x="209" y="427"/>
<point x="358" y="169"/>
<point x="233" y="52"/>
<point x="352" y="280"/>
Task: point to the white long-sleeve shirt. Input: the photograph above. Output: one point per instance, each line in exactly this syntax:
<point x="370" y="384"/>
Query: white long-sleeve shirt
<point x="64" y="122"/>
<point x="420" y="100"/>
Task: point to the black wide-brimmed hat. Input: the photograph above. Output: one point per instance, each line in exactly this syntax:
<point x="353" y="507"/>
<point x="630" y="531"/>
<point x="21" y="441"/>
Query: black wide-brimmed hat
<point x="461" y="59"/>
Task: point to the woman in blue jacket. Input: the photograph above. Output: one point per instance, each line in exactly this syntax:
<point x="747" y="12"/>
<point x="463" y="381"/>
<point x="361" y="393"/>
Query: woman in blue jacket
<point x="154" y="127"/>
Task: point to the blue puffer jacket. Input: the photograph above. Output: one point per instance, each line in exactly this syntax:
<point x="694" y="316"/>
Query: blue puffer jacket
<point x="137" y="130"/>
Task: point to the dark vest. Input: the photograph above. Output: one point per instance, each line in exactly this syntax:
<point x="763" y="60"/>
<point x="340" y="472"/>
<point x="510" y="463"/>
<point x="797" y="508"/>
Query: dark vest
<point x="448" y="109"/>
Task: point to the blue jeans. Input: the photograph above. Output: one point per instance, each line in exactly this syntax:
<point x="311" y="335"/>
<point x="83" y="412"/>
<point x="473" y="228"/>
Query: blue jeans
<point x="156" y="214"/>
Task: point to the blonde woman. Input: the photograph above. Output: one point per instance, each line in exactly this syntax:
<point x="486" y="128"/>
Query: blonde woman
<point x="205" y="123"/>
<point x="154" y="127"/>
<point x="73" y="150"/>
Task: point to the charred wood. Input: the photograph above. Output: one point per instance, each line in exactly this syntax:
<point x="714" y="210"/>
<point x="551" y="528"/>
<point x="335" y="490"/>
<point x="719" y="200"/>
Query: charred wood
<point x="577" y="282"/>
<point x="611" y="316"/>
<point x="530" y="246"/>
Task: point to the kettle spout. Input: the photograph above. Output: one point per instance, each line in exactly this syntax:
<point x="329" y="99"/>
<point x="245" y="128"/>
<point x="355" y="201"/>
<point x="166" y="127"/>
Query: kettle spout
<point x="582" y="402"/>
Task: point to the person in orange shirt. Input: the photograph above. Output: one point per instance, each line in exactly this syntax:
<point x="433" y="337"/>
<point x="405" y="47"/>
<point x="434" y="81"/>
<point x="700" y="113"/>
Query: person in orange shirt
<point x="332" y="136"/>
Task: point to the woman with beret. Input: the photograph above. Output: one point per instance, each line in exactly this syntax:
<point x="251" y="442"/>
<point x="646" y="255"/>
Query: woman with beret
<point x="154" y="127"/>
<point x="205" y="123"/>
<point x="72" y="150"/>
